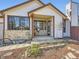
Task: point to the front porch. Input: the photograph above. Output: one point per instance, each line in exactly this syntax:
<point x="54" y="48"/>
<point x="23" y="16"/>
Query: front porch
<point x="42" y="25"/>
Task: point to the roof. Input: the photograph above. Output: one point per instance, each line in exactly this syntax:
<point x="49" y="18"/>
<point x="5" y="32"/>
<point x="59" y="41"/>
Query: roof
<point x="48" y="5"/>
<point x="20" y="5"/>
<point x="75" y="2"/>
<point x="35" y="9"/>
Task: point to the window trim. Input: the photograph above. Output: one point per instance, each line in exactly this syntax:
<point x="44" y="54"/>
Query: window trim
<point x="16" y="16"/>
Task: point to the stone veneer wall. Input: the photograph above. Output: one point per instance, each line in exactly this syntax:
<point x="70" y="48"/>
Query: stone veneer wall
<point x="17" y="34"/>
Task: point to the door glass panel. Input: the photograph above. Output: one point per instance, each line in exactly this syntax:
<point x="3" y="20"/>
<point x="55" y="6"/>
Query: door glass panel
<point x="48" y="28"/>
<point x="42" y="28"/>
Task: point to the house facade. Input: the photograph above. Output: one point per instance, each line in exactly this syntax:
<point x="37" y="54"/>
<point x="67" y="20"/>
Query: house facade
<point x="33" y="18"/>
<point x="72" y="12"/>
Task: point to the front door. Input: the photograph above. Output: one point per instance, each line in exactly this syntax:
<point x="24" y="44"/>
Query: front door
<point x="41" y="28"/>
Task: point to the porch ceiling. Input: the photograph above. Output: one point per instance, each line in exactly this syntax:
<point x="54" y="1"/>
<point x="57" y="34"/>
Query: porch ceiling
<point x="38" y="16"/>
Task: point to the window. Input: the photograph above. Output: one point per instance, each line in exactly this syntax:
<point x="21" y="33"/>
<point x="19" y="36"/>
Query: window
<point x="64" y="25"/>
<point x="68" y="12"/>
<point x="18" y="23"/>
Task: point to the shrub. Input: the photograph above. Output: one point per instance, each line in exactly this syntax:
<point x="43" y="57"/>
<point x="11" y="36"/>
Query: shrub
<point x="34" y="50"/>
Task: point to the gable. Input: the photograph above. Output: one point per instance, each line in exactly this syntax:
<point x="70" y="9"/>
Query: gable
<point x="24" y="9"/>
<point x="48" y="10"/>
<point x="45" y="11"/>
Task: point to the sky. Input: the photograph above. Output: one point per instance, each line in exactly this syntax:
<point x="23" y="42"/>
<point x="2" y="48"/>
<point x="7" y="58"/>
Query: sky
<point x="60" y="4"/>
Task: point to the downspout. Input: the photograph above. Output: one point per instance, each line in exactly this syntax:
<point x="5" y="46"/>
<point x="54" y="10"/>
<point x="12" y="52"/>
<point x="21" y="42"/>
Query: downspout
<point x="71" y="7"/>
<point x="70" y="18"/>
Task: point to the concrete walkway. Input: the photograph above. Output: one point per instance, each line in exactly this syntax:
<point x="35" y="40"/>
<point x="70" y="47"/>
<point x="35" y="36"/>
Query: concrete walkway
<point x="10" y="47"/>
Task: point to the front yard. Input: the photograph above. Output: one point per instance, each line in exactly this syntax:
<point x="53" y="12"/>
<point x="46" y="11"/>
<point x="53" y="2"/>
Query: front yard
<point x="54" y="50"/>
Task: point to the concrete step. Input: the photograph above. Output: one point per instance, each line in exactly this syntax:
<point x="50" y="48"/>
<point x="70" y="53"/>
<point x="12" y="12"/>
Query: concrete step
<point x="43" y="38"/>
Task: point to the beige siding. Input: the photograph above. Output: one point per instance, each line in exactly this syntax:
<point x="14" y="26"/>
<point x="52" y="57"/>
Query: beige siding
<point x="67" y="33"/>
<point x="1" y="20"/>
<point x="24" y="9"/>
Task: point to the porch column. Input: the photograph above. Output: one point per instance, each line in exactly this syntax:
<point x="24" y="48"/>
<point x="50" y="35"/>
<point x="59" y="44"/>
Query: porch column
<point x="31" y="26"/>
<point x="52" y="26"/>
